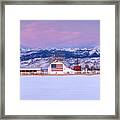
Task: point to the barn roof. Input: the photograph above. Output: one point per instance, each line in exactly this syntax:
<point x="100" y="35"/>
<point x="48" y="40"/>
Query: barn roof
<point x="62" y="61"/>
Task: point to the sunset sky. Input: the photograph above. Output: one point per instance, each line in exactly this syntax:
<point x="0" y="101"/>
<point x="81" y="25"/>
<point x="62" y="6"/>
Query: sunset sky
<point x="59" y="33"/>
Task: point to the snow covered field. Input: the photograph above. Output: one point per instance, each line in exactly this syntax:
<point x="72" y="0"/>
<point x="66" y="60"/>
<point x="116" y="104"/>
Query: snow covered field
<point x="60" y="87"/>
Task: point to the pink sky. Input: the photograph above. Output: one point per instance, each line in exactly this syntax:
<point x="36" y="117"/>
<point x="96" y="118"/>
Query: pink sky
<point x="59" y="33"/>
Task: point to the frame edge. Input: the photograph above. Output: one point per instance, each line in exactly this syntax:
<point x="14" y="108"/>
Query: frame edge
<point x="2" y="55"/>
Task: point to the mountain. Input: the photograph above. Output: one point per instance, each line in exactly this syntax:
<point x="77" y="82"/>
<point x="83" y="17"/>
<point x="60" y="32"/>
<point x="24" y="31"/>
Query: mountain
<point x="28" y="53"/>
<point x="41" y="58"/>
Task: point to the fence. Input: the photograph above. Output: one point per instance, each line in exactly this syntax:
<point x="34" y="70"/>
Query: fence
<point x="43" y="73"/>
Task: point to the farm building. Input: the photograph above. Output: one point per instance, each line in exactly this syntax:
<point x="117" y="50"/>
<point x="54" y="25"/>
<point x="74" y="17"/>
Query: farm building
<point x="30" y="71"/>
<point x="58" y="67"/>
<point x="77" y="68"/>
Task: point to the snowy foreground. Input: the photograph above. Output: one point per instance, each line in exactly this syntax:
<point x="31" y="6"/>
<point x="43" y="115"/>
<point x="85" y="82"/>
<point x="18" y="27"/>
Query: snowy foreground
<point x="60" y="87"/>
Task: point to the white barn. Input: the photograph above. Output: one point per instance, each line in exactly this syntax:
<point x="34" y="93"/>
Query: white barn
<point x="58" y="67"/>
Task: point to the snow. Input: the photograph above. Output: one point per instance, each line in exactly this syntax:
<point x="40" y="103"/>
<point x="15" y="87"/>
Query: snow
<point x="95" y="50"/>
<point x="84" y="56"/>
<point x="73" y="87"/>
<point x="44" y="62"/>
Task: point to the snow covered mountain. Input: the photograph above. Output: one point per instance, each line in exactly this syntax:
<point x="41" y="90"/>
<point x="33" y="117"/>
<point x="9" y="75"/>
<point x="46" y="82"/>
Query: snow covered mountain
<point x="27" y="53"/>
<point x="40" y="58"/>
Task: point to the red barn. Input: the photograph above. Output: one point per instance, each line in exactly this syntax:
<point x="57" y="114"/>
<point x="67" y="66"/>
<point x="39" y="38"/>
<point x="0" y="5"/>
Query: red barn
<point x="77" y="68"/>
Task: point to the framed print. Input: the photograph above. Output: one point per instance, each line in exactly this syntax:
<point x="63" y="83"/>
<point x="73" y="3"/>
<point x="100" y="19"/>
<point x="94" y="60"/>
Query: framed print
<point x="60" y="60"/>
